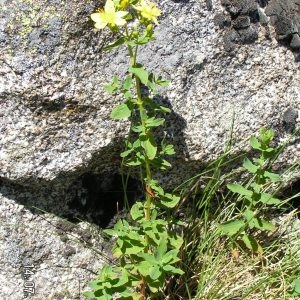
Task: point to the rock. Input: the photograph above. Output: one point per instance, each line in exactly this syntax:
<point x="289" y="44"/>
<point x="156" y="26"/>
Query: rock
<point x="241" y="36"/>
<point x="285" y="27"/>
<point x="241" y="22"/>
<point x="230" y="38"/>
<point x="240" y="7"/>
<point x="222" y="20"/>
<point x="59" y="269"/>
<point x="290" y="119"/>
<point x="209" y="5"/>
<point x="263" y="18"/>
<point x="59" y="149"/>
<point x="295" y="42"/>
<point x="55" y="112"/>
<point x="243" y="13"/>
<point x="248" y="35"/>
<point x="285" y="16"/>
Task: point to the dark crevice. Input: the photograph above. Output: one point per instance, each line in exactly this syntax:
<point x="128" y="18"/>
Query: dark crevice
<point x="290" y="191"/>
<point x="100" y="197"/>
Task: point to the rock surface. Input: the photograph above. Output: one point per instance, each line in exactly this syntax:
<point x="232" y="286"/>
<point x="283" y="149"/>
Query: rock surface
<point x="62" y="256"/>
<point x="285" y="16"/>
<point x="58" y="146"/>
<point x="55" y="114"/>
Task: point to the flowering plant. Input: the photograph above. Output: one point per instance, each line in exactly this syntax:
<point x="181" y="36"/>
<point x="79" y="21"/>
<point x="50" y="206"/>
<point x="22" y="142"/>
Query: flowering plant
<point x="146" y="245"/>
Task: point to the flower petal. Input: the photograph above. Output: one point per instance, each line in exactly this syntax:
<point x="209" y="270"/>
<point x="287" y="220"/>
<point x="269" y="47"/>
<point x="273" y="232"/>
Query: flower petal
<point x="99" y="19"/>
<point x="120" y="21"/>
<point x="100" y="25"/>
<point x="109" y="7"/>
<point x="95" y="17"/>
<point x="121" y="14"/>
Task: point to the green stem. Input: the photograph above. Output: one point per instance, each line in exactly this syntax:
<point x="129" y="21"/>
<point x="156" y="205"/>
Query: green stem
<point x="140" y="104"/>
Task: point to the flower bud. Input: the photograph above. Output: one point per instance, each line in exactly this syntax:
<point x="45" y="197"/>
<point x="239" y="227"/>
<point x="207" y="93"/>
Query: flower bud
<point x="124" y="3"/>
<point x="149" y="28"/>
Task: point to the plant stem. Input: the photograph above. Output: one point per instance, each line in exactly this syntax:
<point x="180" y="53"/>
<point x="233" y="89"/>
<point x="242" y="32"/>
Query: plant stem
<point x="143" y="117"/>
<point x="140" y="104"/>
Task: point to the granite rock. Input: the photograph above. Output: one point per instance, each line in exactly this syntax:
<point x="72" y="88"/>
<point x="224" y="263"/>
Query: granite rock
<point x="285" y="17"/>
<point x="241" y="22"/>
<point x="240" y="7"/>
<point x="55" y="112"/>
<point x="295" y="42"/>
<point x="59" y="149"/>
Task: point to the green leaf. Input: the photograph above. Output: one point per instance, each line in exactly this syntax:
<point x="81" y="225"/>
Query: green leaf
<point x="155" y="285"/>
<point x="111" y="232"/>
<point x="268" y="226"/>
<point x="150" y="258"/>
<point x="137" y="128"/>
<point x="251" y="243"/>
<point x="273" y="176"/>
<point x="231" y="228"/>
<point x="127" y="83"/>
<point x="172" y="270"/>
<point x="122" y="111"/>
<point x="120" y="226"/>
<point x="136" y="211"/>
<point x="117" y="252"/>
<point x="126" y="152"/>
<point x="259" y="161"/>
<point x="249" y="215"/>
<point x="140" y="72"/>
<point x="89" y="295"/>
<point x="153" y="122"/>
<point x="169" y="200"/>
<point x="266" y="135"/>
<point x="263" y="224"/>
<point x="168" y="149"/>
<point x="255" y="144"/>
<point x="117" y="43"/>
<point x="171" y="257"/>
<point x="175" y="240"/>
<point x="136" y="144"/>
<point x="133" y="247"/>
<point x="149" y="145"/>
<point x="295" y="288"/>
<point x="164" y="109"/>
<point x="250" y="166"/>
<point x="154" y="186"/>
<point x="162" y="248"/>
<point x="133" y="161"/>
<point x="162" y="82"/>
<point x="124" y="279"/>
<point x="112" y="87"/>
<point x="237" y="188"/>
<point x="133" y="235"/>
<point x="269" y="150"/>
<point x="269" y="199"/>
<point x="95" y="284"/>
<point x="128" y="95"/>
<point x="155" y="272"/>
<point x="161" y="164"/>
<point x="144" y="267"/>
<point x="143" y="40"/>
<point x="256" y="187"/>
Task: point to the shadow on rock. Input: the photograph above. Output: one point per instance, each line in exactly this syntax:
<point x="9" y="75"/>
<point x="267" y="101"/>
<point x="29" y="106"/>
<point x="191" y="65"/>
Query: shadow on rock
<point x="94" y="191"/>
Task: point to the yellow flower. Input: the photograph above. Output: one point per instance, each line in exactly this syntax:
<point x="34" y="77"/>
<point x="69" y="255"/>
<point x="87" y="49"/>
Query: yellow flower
<point x="148" y="10"/>
<point x="109" y="16"/>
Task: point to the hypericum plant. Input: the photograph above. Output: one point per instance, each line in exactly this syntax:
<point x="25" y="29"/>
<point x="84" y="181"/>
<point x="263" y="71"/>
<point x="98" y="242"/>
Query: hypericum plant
<point x="146" y="246"/>
<point x="254" y="196"/>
